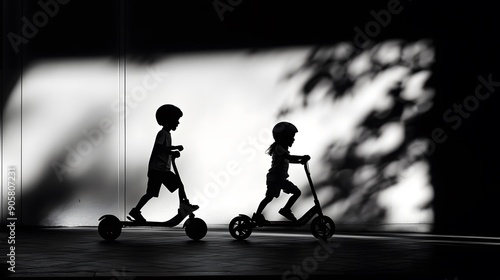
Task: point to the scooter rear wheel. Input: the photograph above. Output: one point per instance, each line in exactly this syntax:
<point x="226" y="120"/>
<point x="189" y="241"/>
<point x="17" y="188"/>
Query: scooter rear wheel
<point x="240" y="227"/>
<point x="110" y="228"/>
<point x="322" y="227"/>
<point x="195" y="228"/>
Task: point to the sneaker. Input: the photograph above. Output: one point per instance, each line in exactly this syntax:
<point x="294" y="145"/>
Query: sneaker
<point x="136" y="214"/>
<point x="287" y="213"/>
<point x="186" y="208"/>
<point x="259" y="218"/>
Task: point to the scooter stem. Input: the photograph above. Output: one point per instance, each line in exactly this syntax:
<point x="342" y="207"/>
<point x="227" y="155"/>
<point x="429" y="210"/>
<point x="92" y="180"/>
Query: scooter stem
<point x="175" y="168"/>
<point x="308" y="174"/>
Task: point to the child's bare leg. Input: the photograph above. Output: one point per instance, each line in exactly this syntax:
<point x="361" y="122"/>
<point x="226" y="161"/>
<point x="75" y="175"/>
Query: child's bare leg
<point x="263" y="204"/>
<point x="286" y="210"/>
<point x="182" y="193"/>
<point x="144" y="199"/>
<point x="184" y="206"/>
<point x="292" y="199"/>
<point x="136" y="212"/>
<point x="257" y="216"/>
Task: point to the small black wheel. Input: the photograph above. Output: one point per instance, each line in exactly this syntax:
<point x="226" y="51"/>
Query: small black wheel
<point x="240" y="227"/>
<point x="322" y="227"/>
<point x="195" y="228"/>
<point x="110" y="227"/>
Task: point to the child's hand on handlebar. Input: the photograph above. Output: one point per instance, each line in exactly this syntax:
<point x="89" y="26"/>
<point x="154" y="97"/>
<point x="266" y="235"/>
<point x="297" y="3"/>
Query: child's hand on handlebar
<point x="305" y="158"/>
<point x="175" y="154"/>
<point x="179" y="147"/>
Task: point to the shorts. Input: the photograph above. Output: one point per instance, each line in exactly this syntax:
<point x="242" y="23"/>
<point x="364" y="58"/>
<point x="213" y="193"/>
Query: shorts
<point x="157" y="178"/>
<point x="274" y="188"/>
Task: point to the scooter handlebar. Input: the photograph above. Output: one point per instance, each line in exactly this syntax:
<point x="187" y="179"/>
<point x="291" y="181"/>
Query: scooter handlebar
<point x="175" y="154"/>
<point x="305" y="159"/>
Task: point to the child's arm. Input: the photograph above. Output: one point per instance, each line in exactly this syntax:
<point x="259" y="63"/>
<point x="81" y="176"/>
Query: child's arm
<point x="174" y="151"/>
<point x="169" y="150"/>
<point x="178" y="147"/>
<point x="298" y="159"/>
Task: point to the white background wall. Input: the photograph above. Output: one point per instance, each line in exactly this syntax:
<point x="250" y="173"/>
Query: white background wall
<point x="230" y="102"/>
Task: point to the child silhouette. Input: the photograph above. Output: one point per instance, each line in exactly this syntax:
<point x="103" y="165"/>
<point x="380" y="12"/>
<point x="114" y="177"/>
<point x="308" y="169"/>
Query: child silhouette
<point x="160" y="162"/>
<point x="276" y="178"/>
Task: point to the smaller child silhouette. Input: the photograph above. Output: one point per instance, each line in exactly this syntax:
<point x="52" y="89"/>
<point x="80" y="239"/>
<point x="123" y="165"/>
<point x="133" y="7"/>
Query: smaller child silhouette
<point x="160" y="162"/>
<point x="276" y="178"/>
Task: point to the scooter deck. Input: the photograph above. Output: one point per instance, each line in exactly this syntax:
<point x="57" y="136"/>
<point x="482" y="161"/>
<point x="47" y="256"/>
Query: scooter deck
<point x="315" y="210"/>
<point x="278" y="224"/>
<point x="177" y="219"/>
<point x="133" y="223"/>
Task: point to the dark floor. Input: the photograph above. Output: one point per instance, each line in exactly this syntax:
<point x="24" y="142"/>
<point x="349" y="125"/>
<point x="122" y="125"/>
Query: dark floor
<point x="141" y="253"/>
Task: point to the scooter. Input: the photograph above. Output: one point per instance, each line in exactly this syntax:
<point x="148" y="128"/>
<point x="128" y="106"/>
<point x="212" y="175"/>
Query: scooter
<point x="322" y="227"/>
<point x="110" y="227"/>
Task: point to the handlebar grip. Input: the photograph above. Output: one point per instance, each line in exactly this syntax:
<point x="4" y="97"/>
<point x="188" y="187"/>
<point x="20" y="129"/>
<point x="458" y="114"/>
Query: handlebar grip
<point x="175" y="154"/>
<point x="305" y="159"/>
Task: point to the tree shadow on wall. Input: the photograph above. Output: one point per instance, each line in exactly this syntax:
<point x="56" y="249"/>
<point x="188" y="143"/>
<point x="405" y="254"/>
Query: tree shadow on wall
<point x="354" y="177"/>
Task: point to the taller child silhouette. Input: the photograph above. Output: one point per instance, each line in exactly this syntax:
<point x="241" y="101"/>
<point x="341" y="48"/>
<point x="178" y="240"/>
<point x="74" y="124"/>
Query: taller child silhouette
<point x="160" y="163"/>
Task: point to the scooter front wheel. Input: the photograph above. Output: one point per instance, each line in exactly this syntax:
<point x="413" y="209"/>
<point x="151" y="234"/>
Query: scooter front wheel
<point x="322" y="227"/>
<point x="109" y="227"/>
<point x="195" y="228"/>
<point x="240" y="227"/>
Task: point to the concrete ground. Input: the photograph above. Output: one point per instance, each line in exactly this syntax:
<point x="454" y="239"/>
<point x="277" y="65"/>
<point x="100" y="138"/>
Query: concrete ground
<point x="141" y="253"/>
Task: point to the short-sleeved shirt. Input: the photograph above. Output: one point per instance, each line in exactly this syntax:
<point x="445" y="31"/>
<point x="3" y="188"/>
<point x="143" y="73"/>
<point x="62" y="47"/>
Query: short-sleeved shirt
<point x="160" y="160"/>
<point x="279" y="164"/>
